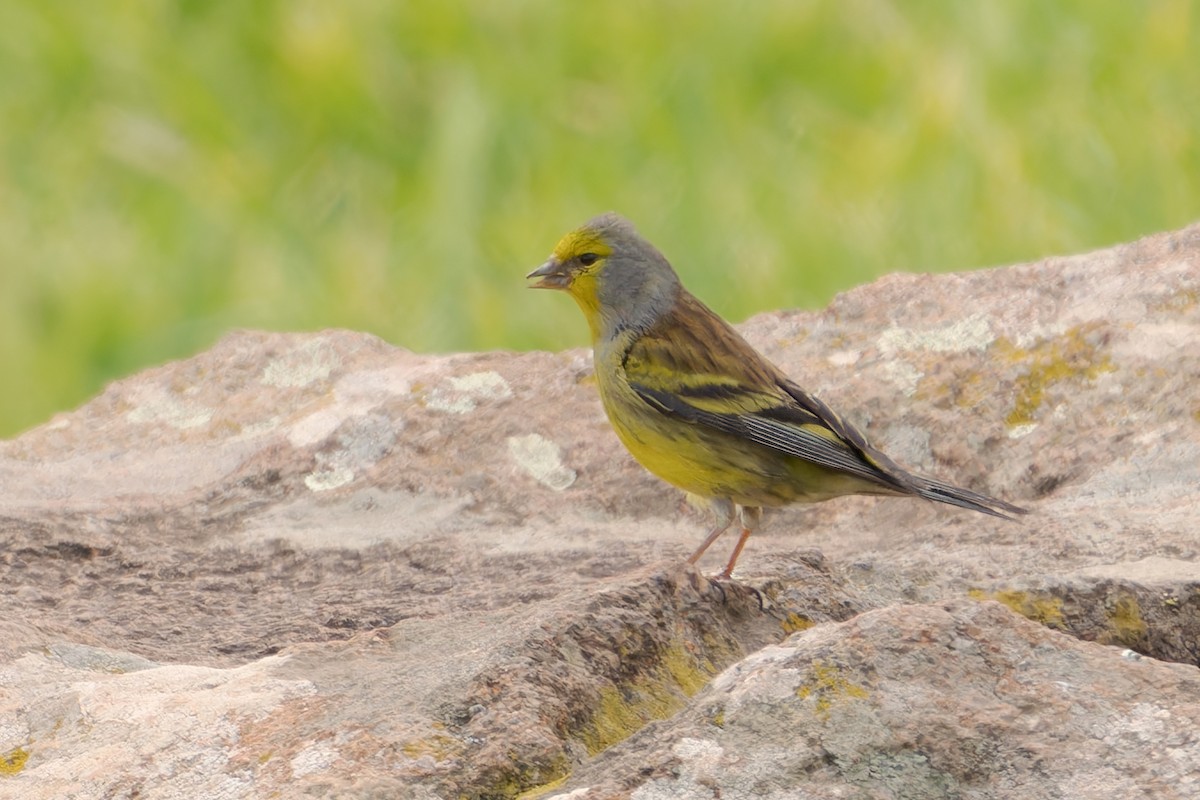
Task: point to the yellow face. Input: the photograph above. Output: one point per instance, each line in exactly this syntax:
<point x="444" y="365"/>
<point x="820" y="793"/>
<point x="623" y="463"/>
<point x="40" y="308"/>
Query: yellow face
<point x="575" y="267"/>
<point x="581" y="242"/>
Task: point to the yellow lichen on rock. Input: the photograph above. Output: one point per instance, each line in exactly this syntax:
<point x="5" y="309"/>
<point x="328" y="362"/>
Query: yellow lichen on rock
<point x="1045" y="609"/>
<point x="12" y="762"/>
<point x="829" y="685"/>
<point x="795" y="622"/>
<point x="544" y="789"/>
<point x="1126" y="626"/>
<point x="439" y="746"/>
<point x="1073" y="356"/>
<point x="623" y="710"/>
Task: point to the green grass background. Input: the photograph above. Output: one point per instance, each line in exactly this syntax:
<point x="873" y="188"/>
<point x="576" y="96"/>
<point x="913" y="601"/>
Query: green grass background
<point x="172" y="169"/>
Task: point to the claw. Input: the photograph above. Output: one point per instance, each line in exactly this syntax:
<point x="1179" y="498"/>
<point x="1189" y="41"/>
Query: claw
<point x="720" y="581"/>
<point x="716" y="584"/>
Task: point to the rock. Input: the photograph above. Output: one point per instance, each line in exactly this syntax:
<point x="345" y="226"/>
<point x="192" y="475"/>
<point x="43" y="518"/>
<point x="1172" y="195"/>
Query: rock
<point x="1151" y="606"/>
<point x="318" y="564"/>
<point x="418" y="702"/>
<point x="967" y="700"/>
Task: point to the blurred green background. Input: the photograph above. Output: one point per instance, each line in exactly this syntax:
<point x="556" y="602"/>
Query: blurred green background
<point x="170" y="170"/>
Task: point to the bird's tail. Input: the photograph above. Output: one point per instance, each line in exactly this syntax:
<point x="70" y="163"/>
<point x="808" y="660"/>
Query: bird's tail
<point x="965" y="498"/>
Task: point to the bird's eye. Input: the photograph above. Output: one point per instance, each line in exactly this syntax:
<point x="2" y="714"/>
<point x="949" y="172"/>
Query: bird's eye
<point x="587" y="259"/>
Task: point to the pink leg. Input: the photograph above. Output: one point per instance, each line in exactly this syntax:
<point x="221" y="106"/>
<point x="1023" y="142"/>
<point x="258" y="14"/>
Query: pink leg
<point x="737" y="551"/>
<point x="750" y="518"/>
<point x="724" y="512"/>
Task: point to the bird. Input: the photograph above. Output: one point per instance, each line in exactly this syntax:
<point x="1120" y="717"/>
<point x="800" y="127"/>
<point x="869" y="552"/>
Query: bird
<point x="698" y="406"/>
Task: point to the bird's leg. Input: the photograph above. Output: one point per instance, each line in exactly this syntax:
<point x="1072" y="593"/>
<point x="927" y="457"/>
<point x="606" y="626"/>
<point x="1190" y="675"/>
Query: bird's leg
<point x="723" y="509"/>
<point x="750" y="517"/>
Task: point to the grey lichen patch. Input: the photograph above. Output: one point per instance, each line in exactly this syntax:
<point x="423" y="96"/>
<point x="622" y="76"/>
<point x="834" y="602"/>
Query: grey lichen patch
<point x="972" y="333"/>
<point x="903" y="774"/>
<point x="310" y="362"/>
<point x="360" y="442"/>
<point x="95" y="659"/>
<point x="157" y="404"/>
<point x="316" y="758"/>
<point x="904" y="376"/>
<point x="466" y="391"/>
<point x="542" y="460"/>
<point x="327" y="478"/>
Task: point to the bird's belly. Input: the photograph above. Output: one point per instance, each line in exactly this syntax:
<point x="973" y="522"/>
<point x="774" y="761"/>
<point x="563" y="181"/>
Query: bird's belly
<point x="712" y="463"/>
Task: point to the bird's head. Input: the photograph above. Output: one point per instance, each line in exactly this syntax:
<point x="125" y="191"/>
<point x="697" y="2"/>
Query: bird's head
<point x="619" y="280"/>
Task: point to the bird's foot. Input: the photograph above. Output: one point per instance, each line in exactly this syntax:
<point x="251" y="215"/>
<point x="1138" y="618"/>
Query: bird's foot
<point x="729" y="588"/>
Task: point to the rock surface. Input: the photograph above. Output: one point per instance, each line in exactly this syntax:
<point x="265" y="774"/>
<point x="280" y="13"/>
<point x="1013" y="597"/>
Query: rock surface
<point x="925" y="702"/>
<point x="318" y="565"/>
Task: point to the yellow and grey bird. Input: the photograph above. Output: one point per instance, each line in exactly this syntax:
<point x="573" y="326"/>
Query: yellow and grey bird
<point x="700" y="408"/>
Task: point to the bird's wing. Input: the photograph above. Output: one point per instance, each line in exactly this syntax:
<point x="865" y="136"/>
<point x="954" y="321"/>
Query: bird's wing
<point x="693" y="366"/>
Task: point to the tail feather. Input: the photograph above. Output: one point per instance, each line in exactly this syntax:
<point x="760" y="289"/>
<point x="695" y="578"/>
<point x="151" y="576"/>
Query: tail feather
<point x="965" y="498"/>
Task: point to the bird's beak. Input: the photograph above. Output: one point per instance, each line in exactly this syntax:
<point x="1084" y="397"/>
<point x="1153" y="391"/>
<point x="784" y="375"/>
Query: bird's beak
<point x="552" y="275"/>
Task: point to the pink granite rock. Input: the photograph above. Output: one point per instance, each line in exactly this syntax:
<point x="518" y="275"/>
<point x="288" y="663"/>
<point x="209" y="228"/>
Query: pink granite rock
<point x="317" y="564"/>
<point x="966" y="700"/>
